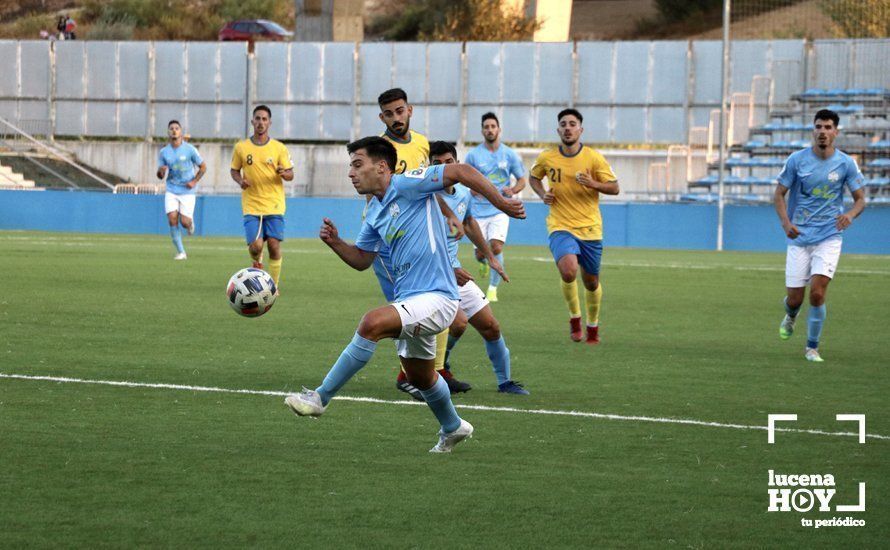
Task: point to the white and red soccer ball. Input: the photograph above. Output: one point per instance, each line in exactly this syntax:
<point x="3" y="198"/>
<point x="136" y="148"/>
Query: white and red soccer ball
<point x="251" y="292"/>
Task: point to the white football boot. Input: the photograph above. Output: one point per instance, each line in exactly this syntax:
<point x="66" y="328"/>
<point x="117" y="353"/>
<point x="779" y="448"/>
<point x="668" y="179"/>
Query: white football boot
<point x="812" y="354"/>
<point x="305" y="403"/>
<point x="448" y="441"/>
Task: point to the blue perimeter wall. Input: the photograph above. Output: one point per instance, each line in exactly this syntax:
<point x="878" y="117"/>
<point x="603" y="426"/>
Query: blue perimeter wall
<point x="682" y="226"/>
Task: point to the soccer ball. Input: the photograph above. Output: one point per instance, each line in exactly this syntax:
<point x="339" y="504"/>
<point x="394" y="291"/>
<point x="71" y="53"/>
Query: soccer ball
<point x="251" y="292"/>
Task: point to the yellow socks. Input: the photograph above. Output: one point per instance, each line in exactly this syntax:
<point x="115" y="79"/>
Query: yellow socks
<point x="593" y="300"/>
<point x="570" y="293"/>
<point x="275" y="269"/>
<point x="441" y="346"/>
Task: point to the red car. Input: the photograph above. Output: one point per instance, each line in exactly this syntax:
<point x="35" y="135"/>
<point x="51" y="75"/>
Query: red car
<point x="252" y="30"/>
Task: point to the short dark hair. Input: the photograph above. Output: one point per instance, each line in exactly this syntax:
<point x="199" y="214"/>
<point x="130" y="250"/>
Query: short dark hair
<point x="570" y="111"/>
<point x="389" y="96"/>
<point x="492" y="116"/>
<point x="828" y="114"/>
<point x="174" y="121"/>
<point x="377" y="148"/>
<point x="442" y="148"/>
<point x="262" y="108"/>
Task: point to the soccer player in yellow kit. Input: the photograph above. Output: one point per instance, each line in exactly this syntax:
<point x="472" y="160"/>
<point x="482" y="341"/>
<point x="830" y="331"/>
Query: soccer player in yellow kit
<point x="413" y="151"/>
<point x="577" y="175"/>
<point x="260" y="165"/>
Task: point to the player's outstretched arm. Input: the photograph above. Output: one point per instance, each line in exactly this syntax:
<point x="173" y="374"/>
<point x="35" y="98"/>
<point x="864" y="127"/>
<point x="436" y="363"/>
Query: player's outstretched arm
<point x="782" y="210"/>
<point x="352" y="255"/>
<point x="469" y="176"/>
<point x="474" y="233"/>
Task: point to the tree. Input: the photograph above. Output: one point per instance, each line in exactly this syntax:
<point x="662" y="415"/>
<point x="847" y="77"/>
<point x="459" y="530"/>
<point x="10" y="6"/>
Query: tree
<point x="454" y="20"/>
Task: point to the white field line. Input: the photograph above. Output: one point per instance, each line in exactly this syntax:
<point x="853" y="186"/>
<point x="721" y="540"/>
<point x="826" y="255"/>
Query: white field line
<point x="581" y="414"/>
<point x="92" y="242"/>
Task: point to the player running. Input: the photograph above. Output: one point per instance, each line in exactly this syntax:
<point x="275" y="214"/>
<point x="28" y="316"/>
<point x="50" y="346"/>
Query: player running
<point x="474" y="307"/>
<point x="260" y="166"/>
<point x="401" y="213"/>
<point x="177" y="161"/>
<point x="577" y="175"/>
<point x="497" y="162"/>
<point x="814" y="221"/>
<point x="412" y="151"/>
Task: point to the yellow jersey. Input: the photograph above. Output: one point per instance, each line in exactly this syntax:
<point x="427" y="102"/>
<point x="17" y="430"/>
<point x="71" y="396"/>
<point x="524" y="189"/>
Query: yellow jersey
<point x="259" y="164"/>
<point x="575" y="208"/>
<point x="413" y="152"/>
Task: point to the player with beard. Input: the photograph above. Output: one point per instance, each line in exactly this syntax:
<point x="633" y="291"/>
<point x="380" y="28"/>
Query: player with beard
<point x="412" y="150"/>
<point x="498" y="163"/>
<point x="814" y="221"/>
<point x="577" y="175"/>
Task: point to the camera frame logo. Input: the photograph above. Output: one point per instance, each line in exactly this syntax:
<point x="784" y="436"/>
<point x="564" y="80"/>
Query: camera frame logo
<point x="808" y="492"/>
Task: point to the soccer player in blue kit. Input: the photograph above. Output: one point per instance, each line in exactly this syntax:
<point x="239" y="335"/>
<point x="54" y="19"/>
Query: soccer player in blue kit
<point x="403" y="213"/>
<point x="183" y="167"/>
<point x="497" y="162"/>
<point x="474" y="306"/>
<point x="814" y="220"/>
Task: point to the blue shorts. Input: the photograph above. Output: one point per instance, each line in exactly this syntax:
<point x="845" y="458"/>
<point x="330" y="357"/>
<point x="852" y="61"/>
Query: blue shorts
<point x="272" y="227"/>
<point x="589" y="252"/>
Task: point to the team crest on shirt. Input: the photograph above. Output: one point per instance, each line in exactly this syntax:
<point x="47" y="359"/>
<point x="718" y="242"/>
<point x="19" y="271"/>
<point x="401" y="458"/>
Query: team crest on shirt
<point x="394" y="210"/>
<point x="833" y="176"/>
<point x="416" y="173"/>
<point x="502" y="165"/>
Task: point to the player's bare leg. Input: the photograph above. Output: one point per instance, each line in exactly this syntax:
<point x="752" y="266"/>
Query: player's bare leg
<point x="274" y="246"/>
<point x="568" y="271"/>
<point x="255" y="249"/>
<point x="187" y="223"/>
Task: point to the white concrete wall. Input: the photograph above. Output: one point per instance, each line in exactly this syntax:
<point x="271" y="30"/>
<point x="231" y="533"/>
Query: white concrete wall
<point x="320" y="170"/>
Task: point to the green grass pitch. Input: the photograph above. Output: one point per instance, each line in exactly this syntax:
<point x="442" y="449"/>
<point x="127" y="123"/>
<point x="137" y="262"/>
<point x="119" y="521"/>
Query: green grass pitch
<point x="686" y="335"/>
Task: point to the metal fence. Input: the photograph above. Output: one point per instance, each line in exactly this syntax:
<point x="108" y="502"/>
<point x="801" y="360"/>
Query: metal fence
<point x="629" y="92"/>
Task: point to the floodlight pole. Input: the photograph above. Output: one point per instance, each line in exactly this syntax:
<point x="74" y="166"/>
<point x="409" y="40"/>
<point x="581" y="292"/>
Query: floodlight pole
<point x="724" y="96"/>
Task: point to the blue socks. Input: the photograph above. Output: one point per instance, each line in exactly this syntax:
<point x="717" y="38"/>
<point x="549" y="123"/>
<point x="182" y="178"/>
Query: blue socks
<point x="814" y="325"/>
<point x="500" y="359"/>
<point x="439" y="400"/>
<point x="354" y="357"/>
<point x="493" y="277"/>
<point x="451" y="343"/>
<point x="792" y="312"/>
<point x="176" y="235"/>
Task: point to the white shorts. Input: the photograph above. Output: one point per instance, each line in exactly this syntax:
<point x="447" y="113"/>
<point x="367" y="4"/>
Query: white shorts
<point x="495" y="228"/>
<point x="802" y="262"/>
<point x="472" y="299"/>
<point x="184" y="204"/>
<point x="423" y="317"/>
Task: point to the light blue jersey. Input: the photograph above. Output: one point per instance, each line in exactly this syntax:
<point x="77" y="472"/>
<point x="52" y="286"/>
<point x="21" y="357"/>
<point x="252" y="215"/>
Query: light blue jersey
<point x="408" y="219"/>
<point x="460" y="202"/>
<point x="816" y="192"/>
<point x="497" y="167"/>
<point x="182" y="163"/>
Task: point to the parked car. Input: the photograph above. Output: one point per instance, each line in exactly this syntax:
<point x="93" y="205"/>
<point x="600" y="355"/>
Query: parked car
<point x="253" y="30"/>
